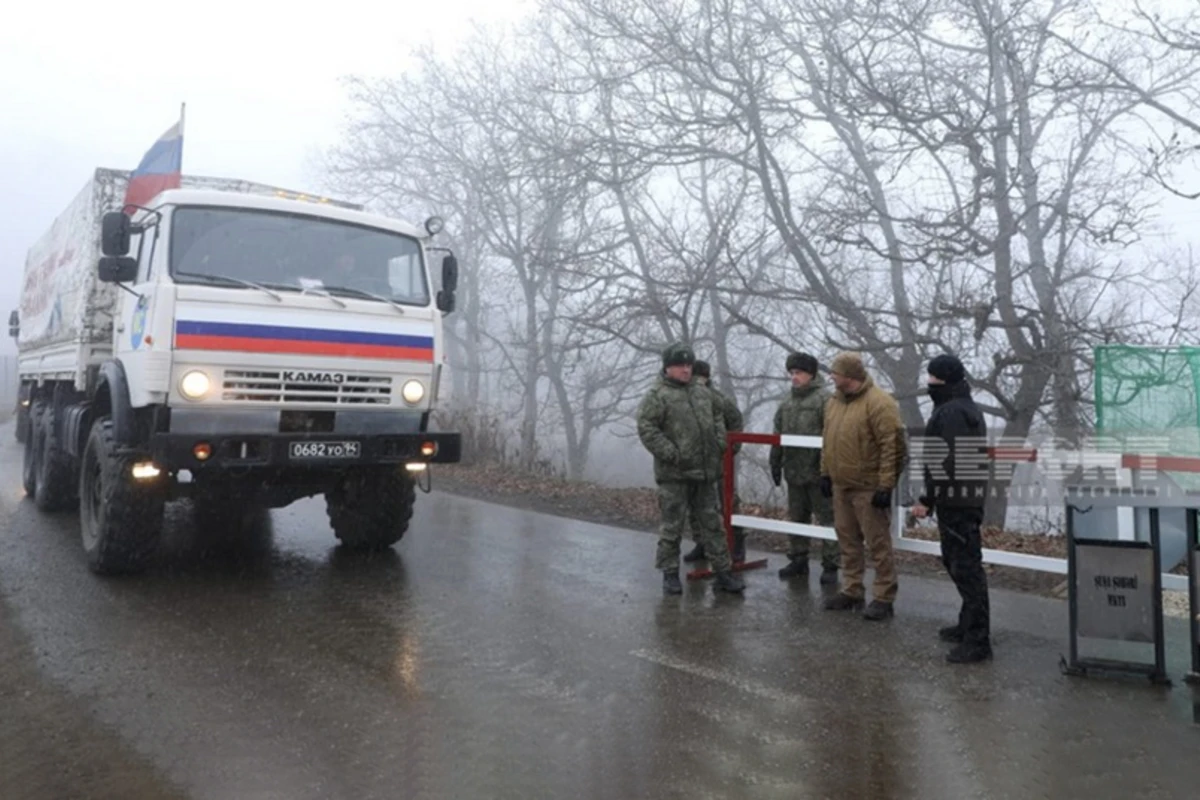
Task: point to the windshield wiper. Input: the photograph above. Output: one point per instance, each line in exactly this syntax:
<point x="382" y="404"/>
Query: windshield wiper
<point x="230" y="281"/>
<point x="322" y="293"/>
<point x="369" y="295"/>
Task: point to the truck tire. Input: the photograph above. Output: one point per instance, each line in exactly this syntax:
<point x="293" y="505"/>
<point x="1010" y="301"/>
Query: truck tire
<point x="21" y="429"/>
<point x="29" y="465"/>
<point x="57" y="485"/>
<point x="120" y="519"/>
<point x="371" y="509"/>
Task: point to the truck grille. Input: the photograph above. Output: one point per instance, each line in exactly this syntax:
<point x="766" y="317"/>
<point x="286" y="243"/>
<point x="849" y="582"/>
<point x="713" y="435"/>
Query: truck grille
<point x="264" y="386"/>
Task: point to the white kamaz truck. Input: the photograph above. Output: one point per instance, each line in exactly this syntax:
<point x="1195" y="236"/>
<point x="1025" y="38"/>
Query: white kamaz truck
<point x="235" y="344"/>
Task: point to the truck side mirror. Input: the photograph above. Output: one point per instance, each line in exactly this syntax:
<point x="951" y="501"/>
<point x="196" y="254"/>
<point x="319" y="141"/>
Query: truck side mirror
<point x="445" y="297"/>
<point x="118" y="269"/>
<point x="115" y="231"/>
<point x="450" y="274"/>
<point x="14" y="324"/>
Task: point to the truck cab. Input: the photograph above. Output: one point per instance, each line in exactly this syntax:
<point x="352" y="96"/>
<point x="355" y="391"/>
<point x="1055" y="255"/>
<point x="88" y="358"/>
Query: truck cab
<point x="263" y="349"/>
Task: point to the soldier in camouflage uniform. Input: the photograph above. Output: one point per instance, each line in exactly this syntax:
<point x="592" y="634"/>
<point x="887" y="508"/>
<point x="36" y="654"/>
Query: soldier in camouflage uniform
<point x="802" y="413"/>
<point x="702" y="374"/>
<point x="683" y="428"/>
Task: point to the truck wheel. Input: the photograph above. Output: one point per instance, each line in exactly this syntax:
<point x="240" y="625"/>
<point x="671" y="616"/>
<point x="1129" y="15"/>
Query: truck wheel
<point x="29" y="465"/>
<point x="120" y="518"/>
<point x="370" y="510"/>
<point x="57" y="483"/>
<point x="21" y="429"/>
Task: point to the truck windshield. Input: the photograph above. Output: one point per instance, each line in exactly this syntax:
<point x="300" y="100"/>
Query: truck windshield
<point x="287" y="251"/>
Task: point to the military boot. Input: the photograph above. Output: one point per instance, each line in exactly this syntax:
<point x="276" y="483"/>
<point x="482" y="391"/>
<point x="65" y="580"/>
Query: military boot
<point x="969" y="653"/>
<point x="879" y="610"/>
<point x="728" y="581"/>
<point x="695" y="554"/>
<point x="671" y="583"/>
<point x="797" y="568"/>
<point x="843" y="602"/>
<point x="829" y="576"/>
<point x="951" y="633"/>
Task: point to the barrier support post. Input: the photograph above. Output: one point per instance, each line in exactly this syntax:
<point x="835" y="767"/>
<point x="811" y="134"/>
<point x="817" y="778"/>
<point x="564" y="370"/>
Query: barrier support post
<point x="728" y="492"/>
<point x="1193" y="567"/>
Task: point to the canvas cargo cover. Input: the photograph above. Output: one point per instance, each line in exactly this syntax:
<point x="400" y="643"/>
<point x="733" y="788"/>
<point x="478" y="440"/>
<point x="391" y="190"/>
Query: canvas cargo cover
<point x="62" y="300"/>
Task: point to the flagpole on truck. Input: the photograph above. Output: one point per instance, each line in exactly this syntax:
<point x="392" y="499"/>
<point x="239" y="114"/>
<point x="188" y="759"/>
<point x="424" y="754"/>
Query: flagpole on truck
<point x="182" y="112"/>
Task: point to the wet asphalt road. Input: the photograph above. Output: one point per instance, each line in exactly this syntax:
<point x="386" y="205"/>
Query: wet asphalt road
<point x="497" y="653"/>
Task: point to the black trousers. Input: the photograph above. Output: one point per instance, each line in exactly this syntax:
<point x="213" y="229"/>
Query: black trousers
<point x="962" y="555"/>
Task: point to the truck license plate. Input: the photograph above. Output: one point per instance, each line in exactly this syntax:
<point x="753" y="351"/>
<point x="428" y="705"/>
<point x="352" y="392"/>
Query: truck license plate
<point x="319" y="450"/>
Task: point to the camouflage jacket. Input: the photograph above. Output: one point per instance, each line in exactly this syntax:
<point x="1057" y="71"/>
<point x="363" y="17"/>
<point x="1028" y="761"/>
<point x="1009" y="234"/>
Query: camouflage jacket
<point x="802" y="413"/>
<point x="683" y="427"/>
<point x="730" y="413"/>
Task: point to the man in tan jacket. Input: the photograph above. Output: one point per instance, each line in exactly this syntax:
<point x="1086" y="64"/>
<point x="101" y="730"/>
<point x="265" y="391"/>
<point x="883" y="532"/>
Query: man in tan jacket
<point x="862" y="455"/>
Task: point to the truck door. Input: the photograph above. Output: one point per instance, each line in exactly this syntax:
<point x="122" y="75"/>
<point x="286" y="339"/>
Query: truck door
<point x="146" y="358"/>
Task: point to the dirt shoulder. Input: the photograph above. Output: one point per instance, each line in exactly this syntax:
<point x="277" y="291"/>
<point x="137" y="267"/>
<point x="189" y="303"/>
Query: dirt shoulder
<point x="637" y="509"/>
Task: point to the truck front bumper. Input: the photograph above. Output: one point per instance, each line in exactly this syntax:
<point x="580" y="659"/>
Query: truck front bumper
<point x="239" y="451"/>
<point x="239" y="441"/>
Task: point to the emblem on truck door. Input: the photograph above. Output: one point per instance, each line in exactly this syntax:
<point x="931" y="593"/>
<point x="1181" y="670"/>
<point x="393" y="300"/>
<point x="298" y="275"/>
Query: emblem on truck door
<point x="299" y="376"/>
<point x="137" y="325"/>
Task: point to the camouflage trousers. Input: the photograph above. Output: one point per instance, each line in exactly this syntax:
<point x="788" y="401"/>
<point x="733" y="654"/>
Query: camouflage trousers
<point x="679" y="501"/>
<point x="737" y="509"/>
<point x="805" y="501"/>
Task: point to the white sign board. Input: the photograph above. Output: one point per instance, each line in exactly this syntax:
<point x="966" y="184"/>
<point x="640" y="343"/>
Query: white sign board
<point x="1194" y="575"/>
<point x="1115" y="591"/>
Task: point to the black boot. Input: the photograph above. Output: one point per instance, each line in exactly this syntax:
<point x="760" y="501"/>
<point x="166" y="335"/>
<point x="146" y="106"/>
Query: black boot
<point x="695" y="554"/>
<point x="739" y="546"/>
<point x="797" y="568"/>
<point x="879" y="610"/>
<point x="671" y="583"/>
<point x="843" y="602"/>
<point x="969" y="653"/>
<point x="728" y="582"/>
<point x="829" y="576"/>
<point x="951" y="633"/>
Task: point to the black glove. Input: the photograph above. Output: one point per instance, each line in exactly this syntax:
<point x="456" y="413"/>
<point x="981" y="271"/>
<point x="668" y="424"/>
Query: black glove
<point x="826" y="487"/>
<point x="882" y="498"/>
<point x="777" y="473"/>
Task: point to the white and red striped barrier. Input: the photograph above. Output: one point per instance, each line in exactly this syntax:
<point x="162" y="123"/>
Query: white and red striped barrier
<point x="1120" y="464"/>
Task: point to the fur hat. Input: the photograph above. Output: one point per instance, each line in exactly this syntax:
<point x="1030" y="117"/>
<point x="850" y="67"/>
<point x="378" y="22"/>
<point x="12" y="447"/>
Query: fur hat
<point x="702" y="369"/>
<point x="849" y="365"/>
<point x="802" y="362"/>
<point x="677" y="354"/>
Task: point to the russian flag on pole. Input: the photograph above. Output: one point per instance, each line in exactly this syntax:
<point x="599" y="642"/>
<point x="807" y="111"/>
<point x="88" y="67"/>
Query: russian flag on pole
<point x="161" y="167"/>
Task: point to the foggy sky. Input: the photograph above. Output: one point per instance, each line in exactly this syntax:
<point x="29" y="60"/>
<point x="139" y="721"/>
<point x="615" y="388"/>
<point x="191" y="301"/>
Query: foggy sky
<point x="261" y="83"/>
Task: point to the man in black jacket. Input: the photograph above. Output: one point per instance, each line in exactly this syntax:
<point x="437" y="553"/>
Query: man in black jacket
<point x="956" y="497"/>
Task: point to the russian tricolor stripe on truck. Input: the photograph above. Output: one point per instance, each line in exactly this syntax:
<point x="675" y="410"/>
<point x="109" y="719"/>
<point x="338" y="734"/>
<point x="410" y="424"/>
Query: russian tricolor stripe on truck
<point x="252" y="338"/>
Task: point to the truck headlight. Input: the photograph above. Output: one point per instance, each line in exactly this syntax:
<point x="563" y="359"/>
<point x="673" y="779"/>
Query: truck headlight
<point x="194" y="385"/>
<point x="413" y="392"/>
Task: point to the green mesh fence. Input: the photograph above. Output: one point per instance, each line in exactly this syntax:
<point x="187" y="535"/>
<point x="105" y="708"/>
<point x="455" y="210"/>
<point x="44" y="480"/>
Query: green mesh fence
<point x="1147" y="401"/>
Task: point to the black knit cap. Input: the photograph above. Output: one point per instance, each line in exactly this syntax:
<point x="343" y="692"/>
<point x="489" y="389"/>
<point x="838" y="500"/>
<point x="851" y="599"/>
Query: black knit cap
<point x="947" y="368"/>
<point x="803" y="362"/>
<point x="677" y="354"/>
<point x="702" y="369"/>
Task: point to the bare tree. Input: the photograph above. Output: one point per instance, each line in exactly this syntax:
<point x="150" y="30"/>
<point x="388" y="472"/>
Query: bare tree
<point x="940" y="174"/>
<point x="902" y="178"/>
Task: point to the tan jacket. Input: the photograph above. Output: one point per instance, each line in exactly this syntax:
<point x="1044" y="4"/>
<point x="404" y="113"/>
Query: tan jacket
<point x="864" y="445"/>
